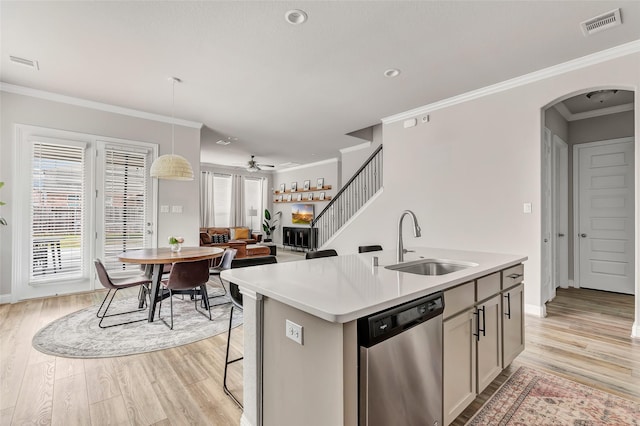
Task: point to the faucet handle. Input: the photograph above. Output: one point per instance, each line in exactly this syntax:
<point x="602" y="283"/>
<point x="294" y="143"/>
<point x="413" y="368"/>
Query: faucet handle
<point x="408" y="251"/>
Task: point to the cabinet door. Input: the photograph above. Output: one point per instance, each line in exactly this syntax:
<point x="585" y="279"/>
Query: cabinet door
<point x="459" y="364"/>
<point x="512" y="324"/>
<point x="489" y="342"/>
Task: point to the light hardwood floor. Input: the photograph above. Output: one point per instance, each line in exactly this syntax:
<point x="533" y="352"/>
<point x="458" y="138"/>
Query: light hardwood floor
<point x="585" y="337"/>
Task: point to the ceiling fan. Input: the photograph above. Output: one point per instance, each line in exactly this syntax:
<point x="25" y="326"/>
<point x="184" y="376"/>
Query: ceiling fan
<point x="254" y="166"/>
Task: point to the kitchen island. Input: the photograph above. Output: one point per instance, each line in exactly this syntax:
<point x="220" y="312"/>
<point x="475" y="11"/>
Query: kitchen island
<point x="316" y="382"/>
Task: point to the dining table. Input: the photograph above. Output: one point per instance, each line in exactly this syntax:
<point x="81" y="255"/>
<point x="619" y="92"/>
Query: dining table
<point x="155" y="258"/>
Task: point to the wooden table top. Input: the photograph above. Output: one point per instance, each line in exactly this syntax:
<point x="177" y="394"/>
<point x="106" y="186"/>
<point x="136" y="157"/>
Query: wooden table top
<point x="165" y="255"/>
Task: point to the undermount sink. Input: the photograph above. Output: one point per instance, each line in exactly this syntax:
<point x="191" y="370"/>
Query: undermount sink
<point x="431" y="266"/>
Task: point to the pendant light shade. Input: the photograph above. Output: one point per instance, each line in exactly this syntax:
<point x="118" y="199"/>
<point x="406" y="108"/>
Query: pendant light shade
<point x="172" y="166"/>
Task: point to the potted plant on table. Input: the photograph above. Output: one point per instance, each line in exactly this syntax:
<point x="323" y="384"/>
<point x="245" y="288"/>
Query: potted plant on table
<point x="268" y="226"/>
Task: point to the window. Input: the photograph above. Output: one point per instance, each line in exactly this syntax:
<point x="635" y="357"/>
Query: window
<point x="125" y="204"/>
<point x="58" y="213"/>
<point x="253" y="203"/>
<point x="222" y="200"/>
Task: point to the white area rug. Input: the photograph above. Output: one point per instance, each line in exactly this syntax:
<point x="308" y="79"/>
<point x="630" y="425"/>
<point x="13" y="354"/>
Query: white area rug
<point x="77" y="335"/>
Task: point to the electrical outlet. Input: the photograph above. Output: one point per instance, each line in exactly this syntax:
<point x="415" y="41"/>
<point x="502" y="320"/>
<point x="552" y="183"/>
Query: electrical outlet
<point x="293" y="331"/>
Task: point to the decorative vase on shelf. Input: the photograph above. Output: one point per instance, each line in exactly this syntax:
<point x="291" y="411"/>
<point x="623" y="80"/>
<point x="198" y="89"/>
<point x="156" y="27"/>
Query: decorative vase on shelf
<point x="175" y="243"/>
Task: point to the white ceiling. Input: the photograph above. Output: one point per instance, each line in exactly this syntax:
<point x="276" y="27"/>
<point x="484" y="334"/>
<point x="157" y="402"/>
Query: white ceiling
<point x="291" y="93"/>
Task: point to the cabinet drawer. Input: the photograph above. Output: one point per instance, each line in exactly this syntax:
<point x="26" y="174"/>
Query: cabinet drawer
<point x="488" y="286"/>
<point x="512" y="276"/>
<point x="458" y="299"/>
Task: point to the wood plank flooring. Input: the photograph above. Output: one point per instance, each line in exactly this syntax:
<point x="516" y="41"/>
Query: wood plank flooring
<point x="585" y="337"/>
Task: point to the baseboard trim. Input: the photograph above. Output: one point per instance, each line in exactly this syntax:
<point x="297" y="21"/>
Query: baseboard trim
<point x="244" y="421"/>
<point x="535" y="310"/>
<point x="635" y="330"/>
<point x="572" y="283"/>
<point x="5" y="298"/>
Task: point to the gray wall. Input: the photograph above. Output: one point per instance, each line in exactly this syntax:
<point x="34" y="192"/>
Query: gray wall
<point x="353" y="159"/>
<point x="555" y="122"/>
<point x="20" y="109"/>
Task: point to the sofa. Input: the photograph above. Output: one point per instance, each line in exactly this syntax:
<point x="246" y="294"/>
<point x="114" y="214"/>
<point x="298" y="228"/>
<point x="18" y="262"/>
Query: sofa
<point x="238" y="238"/>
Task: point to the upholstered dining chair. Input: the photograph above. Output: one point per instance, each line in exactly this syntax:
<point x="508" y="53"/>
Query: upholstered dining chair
<point x="367" y="249"/>
<point x="225" y="263"/>
<point x="236" y="303"/>
<point x="113" y="285"/>
<point x="187" y="278"/>
<point x="320" y="253"/>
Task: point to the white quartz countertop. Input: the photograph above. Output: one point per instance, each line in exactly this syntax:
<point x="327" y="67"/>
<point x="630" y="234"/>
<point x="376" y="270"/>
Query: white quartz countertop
<point x="344" y="288"/>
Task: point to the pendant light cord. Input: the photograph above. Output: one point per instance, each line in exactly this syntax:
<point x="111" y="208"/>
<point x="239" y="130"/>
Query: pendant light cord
<point x="173" y="114"/>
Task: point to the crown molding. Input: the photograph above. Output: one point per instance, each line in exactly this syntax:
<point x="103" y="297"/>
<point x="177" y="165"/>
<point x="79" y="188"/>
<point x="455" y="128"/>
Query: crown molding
<point x="55" y="97"/>
<point x="355" y="147"/>
<point x="305" y="166"/>
<point x="572" y="65"/>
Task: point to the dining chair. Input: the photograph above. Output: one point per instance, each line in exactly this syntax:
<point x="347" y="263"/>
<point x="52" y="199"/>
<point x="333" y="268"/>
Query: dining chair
<point x="113" y="285"/>
<point x="366" y="249"/>
<point x="225" y="263"/>
<point x="320" y="253"/>
<point x="187" y="278"/>
<point x="236" y="303"/>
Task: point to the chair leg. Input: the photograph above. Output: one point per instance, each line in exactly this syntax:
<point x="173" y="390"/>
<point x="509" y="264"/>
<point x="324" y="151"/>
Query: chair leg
<point x="224" y="289"/>
<point x="227" y="362"/>
<point x="170" y="310"/>
<point x="104" y="314"/>
<point x="204" y="300"/>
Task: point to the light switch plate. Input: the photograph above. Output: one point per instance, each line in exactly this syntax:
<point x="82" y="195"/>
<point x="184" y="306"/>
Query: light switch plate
<point x="164" y="209"/>
<point x="293" y="331"/>
<point x="176" y="209"/>
<point x="526" y="207"/>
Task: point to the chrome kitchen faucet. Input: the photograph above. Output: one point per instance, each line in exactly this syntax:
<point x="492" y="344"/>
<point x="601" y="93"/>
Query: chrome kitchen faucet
<point x="416" y="233"/>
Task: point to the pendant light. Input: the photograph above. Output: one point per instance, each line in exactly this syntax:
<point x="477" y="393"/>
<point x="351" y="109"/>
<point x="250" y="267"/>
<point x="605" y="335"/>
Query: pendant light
<point x="172" y="167"/>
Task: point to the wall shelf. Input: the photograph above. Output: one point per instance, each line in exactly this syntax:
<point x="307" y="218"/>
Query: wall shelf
<point x="304" y="200"/>
<point x="312" y="189"/>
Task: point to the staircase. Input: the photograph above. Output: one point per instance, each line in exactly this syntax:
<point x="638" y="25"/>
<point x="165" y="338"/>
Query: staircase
<point x="353" y="195"/>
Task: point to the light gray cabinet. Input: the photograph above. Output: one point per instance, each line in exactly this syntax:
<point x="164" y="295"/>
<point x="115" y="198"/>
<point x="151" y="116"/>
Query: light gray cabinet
<point x="459" y="364"/>
<point x="482" y="334"/>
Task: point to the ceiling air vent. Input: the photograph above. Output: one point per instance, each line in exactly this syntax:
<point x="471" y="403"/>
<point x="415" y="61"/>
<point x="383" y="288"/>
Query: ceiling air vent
<point x="26" y="62"/>
<point x="600" y="23"/>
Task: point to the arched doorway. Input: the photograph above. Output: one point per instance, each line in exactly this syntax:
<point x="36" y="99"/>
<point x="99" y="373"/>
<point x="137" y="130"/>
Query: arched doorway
<point x="588" y="192"/>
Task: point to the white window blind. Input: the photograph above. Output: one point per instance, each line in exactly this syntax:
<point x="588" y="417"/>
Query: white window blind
<point x="57" y="211"/>
<point x="222" y="199"/>
<point x="253" y="201"/>
<point x="125" y="203"/>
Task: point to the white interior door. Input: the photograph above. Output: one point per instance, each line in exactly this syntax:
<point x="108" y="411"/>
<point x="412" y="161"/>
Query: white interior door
<point x="605" y="210"/>
<point x="547" y="218"/>
<point x="561" y="213"/>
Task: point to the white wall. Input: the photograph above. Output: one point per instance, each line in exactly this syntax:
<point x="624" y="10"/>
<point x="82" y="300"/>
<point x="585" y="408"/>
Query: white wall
<point x="323" y="169"/>
<point x="467" y="172"/>
<point x="21" y="109"/>
<point x="352" y="159"/>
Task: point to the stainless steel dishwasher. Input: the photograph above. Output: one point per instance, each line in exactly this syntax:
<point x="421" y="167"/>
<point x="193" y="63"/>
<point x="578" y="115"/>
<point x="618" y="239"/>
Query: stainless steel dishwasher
<point x="401" y="364"/>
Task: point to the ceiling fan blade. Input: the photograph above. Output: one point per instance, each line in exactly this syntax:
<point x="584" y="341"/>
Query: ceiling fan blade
<point x="265" y="165"/>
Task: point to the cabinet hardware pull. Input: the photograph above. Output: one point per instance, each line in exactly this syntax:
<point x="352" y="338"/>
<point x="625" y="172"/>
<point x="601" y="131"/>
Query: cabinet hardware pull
<point x="508" y="313"/>
<point x="514" y="276"/>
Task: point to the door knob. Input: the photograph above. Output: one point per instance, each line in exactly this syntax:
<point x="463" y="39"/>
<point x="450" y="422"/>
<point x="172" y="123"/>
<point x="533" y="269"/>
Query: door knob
<point x="560" y="235"/>
<point x="545" y="240"/>
<point x="583" y="235"/>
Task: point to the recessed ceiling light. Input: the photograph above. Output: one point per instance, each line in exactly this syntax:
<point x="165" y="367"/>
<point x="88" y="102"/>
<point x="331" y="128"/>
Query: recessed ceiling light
<point x="392" y="72"/>
<point x="296" y="16"/>
<point x="23" y="61"/>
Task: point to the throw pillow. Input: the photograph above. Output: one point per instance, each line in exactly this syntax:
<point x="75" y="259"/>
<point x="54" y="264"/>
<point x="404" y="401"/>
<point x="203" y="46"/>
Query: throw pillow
<point x="206" y="238"/>
<point x="233" y="233"/>
<point x="242" y="234"/>
<point x="225" y="238"/>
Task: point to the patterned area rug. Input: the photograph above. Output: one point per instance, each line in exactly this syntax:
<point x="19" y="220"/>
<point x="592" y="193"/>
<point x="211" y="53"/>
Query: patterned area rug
<point x="77" y="335"/>
<point x="532" y="397"/>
